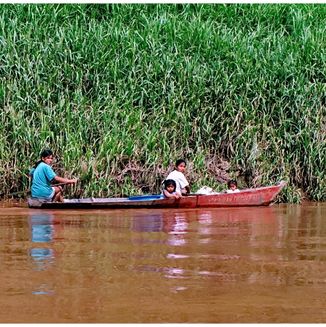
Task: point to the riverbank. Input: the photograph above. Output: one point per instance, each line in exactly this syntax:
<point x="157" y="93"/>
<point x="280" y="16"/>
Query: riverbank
<point x="119" y="92"/>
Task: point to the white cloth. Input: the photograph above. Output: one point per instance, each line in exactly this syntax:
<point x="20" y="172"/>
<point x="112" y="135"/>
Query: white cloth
<point x="179" y="179"/>
<point x="206" y="190"/>
<point x="233" y="191"/>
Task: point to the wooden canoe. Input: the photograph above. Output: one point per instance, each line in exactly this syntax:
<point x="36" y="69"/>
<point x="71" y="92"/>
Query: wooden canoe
<point x="261" y="196"/>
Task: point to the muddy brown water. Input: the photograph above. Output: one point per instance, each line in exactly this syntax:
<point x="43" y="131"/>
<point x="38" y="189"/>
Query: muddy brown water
<point x="156" y="266"/>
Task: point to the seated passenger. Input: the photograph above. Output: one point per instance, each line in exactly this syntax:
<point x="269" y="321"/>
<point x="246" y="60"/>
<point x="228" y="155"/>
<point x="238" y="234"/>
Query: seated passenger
<point x="232" y="187"/>
<point x="42" y="176"/>
<point x="169" y="187"/>
<point x="182" y="185"/>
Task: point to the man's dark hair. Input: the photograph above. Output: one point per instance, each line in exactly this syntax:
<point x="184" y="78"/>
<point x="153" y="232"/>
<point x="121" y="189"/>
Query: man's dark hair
<point x="44" y="154"/>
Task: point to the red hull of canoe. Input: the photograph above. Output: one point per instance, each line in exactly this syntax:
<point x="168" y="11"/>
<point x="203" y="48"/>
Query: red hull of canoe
<point x="262" y="196"/>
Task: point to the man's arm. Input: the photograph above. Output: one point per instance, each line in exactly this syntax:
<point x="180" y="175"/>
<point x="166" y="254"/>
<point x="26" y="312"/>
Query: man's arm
<point x="65" y="180"/>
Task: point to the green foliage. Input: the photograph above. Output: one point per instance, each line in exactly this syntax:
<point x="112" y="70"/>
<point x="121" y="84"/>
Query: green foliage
<point x="120" y="91"/>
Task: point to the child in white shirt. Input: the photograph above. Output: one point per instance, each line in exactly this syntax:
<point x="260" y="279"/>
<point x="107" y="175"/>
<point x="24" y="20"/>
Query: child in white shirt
<point x="182" y="185"/>
<point x="232" y="187"/>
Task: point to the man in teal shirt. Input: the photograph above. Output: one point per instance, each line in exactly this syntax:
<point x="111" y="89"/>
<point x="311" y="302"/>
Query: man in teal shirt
<point x="42" y="175"/>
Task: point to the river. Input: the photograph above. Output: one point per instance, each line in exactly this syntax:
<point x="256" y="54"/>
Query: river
<point x="255" y="265"/>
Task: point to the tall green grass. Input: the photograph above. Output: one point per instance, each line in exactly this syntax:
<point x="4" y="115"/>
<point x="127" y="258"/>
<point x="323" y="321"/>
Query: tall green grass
<point x="120" y="91"/>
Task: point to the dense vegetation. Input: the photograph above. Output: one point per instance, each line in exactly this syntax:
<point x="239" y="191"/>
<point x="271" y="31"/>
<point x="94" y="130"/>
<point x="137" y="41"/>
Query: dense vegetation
<point x="120" y="91"/>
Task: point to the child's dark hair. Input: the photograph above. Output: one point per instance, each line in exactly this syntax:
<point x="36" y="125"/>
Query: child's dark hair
<point x="169" y="182"/>
<point x="44" y="154"/>
<point x="179" y="162"/>
<point x="232" y="182"/>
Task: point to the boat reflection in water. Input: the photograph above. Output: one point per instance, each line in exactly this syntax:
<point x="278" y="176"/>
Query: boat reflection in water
<point x="164" y="265"/>
<point x="192" y="247"/>
<point x="216" y="240"/>
<point x="152" y="222"/>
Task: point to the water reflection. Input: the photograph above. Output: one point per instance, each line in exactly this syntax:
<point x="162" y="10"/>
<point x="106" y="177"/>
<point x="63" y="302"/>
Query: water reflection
<point x="253" y="264"/>
<point x="227" y="245"/>
<point x="42" y="256"/>
<point x="175" y="225"/>
<point x="42" y="231"/>
<point x="41" y="227"/>
<point x="177" y="230"/>
<point x="152" y="222"/>
<point x="215" y="239"/>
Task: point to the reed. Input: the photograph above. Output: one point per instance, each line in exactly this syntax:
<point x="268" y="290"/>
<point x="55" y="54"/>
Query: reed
<point x="120" y="91"/>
